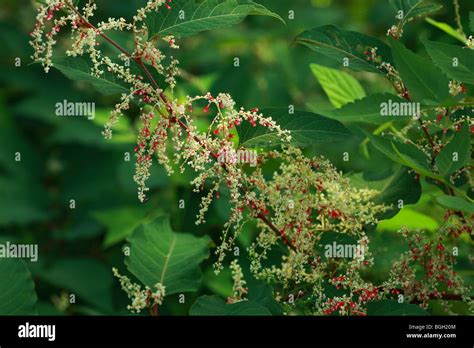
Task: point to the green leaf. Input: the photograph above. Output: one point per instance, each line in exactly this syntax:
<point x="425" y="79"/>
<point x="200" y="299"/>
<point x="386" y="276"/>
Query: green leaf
<point x="90" y="280"/>
<point x="78" y="69"/>
<point x="262" y="294"/>
<point x="17" y="290"/>
<point x="447" y="29"/>
<point x="414" y="8"/>
<point x="188" y="17"/>
<point x="425" y="82"/>
<point x="403" y="187"/>
<point x="159" y="255"/>
<point x="121" y="222"/>
<point x="392" y="307"/>
<point x="444" y="56"/>
<point x="456" y="203"/>
<point x="367" y="110"/>
<point x="405" y="154"/>
<point x="306" y="129"/>
<point x="340" y="87"/>
<point x="337" y="45"/>
<point x="214" y="305"/>
<point x="471" y="21"/>
<point x="410" y="219"/>
<point x="456" y="154"/>
<point x="23" y="197"/>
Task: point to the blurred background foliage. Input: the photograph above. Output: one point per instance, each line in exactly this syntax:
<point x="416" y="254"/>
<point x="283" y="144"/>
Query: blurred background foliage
<point x="67" y="158"/>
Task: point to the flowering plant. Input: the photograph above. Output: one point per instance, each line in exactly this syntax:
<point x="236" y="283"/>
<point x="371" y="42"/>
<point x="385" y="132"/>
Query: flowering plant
<point x="312" y="248"/>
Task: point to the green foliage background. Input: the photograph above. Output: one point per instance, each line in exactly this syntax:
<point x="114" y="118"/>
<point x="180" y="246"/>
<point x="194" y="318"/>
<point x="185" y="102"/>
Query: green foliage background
<point x="67" y="158"/>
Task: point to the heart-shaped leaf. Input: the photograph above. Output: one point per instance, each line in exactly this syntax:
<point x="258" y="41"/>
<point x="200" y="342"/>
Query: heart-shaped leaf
<point x="159" y="255"/>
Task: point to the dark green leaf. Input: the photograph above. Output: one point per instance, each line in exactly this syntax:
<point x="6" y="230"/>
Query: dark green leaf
<point x="402" y="187"/>
<point x="159" y="255"/>
<point x="471" y="21"/>
<point x="17" y="290"/>
<point x="306" y="129"/>
<point x="214" y="305"/>
<point x="78" y="69"/>
<point x="425" y="82"/>
<point x="392" y="307"/>
<point x="121" y="222"/>
<point x="456" y="203"/>
<point x="187" y="18"/>
<point x="263" y="295"/>
<point x="90" y="280"/>
<point x="338" y="44"/>
<point x="456" y="154"/>
<point x="367" y="110"/>
<point x="455" y="61"/>
<point x="414" y="8"/>
<point x="405" y="154"/>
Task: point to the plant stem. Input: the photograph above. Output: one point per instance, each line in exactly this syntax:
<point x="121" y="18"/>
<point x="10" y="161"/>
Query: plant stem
<point x="163" y="97"/>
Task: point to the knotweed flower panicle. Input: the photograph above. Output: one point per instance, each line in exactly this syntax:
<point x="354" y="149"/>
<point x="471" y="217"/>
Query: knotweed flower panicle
<point x="141" y="299"/>
<point x="354" y="302"/>
<point x="456" y="88"/>
<point x="395" y="31"/>
<point x="239" y="289"/>
<point x="307" y="198"/>
<point x="470" y="42"/>
<point x="426" y="271"/>
<point x="49" y="22"/>
<point x="151" y="6"/>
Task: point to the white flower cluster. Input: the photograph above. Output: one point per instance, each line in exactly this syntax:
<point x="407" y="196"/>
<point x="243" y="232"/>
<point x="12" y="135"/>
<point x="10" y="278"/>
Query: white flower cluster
<point x="239" y="289"/>
<point x="141" y="299"/>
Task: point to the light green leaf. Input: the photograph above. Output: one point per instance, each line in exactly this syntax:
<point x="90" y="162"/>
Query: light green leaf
<point x="392" y="307"/>
<point x="425" y="82"/>
<point x="306" y="129"/>
<point x="338" y="45"/>
<point x="456" y="154"/>
<point x="445" y="56"/>
<point x="456" y="203"/>
<point x="188" y="17"/>
<point x="17" y="290"/>
<point x="447" y="29"/>
<point x="159" y="255"/>
<point x="414" y="8"/>
<point x="408" y="218"/>
<point x="340" y="87"/>
<point x="214" y="305"/>
<point x="367" y="110"/>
